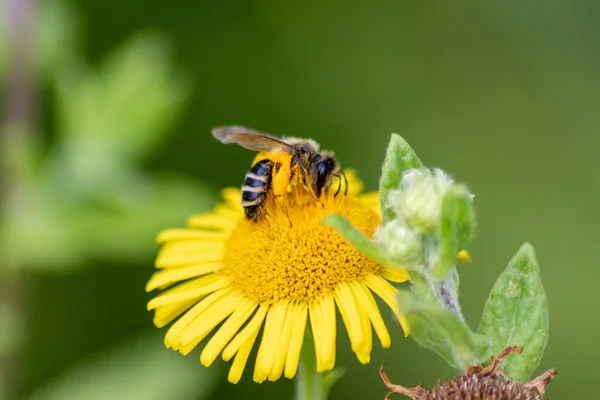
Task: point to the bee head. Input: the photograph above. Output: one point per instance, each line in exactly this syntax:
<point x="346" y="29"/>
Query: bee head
<point x="325" y="167"/>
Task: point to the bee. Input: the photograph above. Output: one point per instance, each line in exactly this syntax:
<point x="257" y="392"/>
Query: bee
<point x="283" y="160"/>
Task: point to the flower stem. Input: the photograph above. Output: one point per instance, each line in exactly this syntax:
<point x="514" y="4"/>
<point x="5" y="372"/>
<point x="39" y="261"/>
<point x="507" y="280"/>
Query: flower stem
<point x="446" y="294"/>
<point x="309" y="383"/>
<point x="17" y="116"/>
<point x="443" y="292"/>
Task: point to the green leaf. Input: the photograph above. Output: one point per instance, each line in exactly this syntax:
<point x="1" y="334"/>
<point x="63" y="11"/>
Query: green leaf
<point x="457" y="228"/>
<point x="438" y="329"/>
<point x="117" y="223"/>
<point x="119" y="113"/>
<point x="399" y="157"/>
<point x="360" y="242"/>
<point x="124" y="224"/>
<point x="516" y="314"/>
<point x="141" y="368"/>
<point x="42" y="220"/>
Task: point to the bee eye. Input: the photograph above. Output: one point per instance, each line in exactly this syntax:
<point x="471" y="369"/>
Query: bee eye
<point x="325" y="167"/>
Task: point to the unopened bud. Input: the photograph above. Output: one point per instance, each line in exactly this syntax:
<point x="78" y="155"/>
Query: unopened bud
<point x="420" y="196"/>
<point x="400" y="242"/>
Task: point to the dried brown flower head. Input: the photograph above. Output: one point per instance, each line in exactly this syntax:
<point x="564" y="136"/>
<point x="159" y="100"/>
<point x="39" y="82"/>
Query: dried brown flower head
<point x="478" y="383"/>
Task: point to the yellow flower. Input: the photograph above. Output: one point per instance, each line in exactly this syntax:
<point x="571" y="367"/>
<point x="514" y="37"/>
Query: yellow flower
<point x="285" y="272"/>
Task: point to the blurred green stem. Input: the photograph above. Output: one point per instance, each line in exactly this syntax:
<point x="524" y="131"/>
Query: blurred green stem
<point x="17" y="119"/>
<point x="309" y="385"/>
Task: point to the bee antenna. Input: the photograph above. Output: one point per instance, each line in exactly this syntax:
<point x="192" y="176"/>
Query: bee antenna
<point x="339" y="188"/>
<point x="346" y="181"/>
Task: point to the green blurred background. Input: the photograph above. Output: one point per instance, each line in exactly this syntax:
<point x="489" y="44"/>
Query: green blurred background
<point x="502" y="95"/>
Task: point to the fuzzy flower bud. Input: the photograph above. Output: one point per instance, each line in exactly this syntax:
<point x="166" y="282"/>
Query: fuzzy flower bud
<point x="400" y="242"/>
<point x="420" y="196"/>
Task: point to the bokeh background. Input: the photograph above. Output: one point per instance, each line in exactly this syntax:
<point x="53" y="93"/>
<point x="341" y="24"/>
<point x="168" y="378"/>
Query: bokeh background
<point x="106" y="112"/>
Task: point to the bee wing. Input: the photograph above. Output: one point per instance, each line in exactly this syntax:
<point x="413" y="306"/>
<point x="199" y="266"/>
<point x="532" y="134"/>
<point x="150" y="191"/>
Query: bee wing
<point x="251" y="139"/>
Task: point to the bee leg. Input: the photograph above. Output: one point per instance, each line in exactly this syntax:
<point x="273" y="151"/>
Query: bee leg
<point x="284" y="207"/>
<point x="289" y="219"/>
<point x="306" y="185"/>
<point x="317" y="197"/>
<point x="285" y="210"/>
<point x="310" y="190"/>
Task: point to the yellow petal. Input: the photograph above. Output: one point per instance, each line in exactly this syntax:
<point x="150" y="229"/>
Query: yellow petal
<point x="172" y="336"/>
<point x="171" y="298"/>
<point x="371" y="200"/>
<point x="395" y="275"/>
<point x="211" y="221"/>
<point x="190" y="246"/>
<point x="232" y="197"/>
<point x="355" y="185"/>
<point x="329" y="332"/>
<point x="198" y="329"/>
<point x="166" y="314"/>
<point x="350" y="316"/>
<point x="314" y="312"/>
<point x="283" y="343"/>
<point x="217" y="343"/>
<point x="249" y="330"/>
<point x="364" y="355"/>
<point x="365" y="298"/>
<point x="189" y="234"/>
<point x="194" y="284"/>
<point x="388" y="294"/>
<point x="268" y="345"/>
<point x="169" y="276"/>
<point x="181" y="260"/>
<point x="241" y="358"/>
<point x="224" y="210"/>
<point x="293" y="354"/>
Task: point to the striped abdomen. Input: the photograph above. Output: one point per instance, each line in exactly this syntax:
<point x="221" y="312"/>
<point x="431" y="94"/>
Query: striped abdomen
<point x="255" y="187"/>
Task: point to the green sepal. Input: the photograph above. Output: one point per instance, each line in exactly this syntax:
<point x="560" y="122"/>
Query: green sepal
<point x="457" y="228"/>
<point x="399" y="157"/>
<point x="516" y="314"/>
<point x="438" y="329"/>
<point x="360" y="242"/>
<point x="419" y="284"/>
